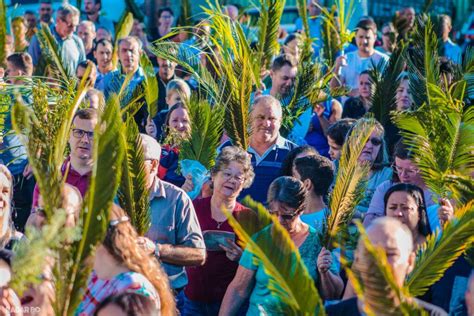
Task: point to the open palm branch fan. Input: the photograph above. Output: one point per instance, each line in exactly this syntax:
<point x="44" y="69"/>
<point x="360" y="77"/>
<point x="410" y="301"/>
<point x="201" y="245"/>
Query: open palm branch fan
<point x="340" y="23"/>
<point x="303" y="14"/>
<point x="133" y="193"/>
<point x="441" y="249"/>
<point x="150" y="85"/>
<point x="53" y="54"/>
<point x="289" y="278"/>
<point x="123" y="29"/>
<point x="3" y="32"/>
<point x="351" y="183"/>
<point x="375" y="284"/>
<point x="206" y="132"/>
<point x="330" y="39"/>
<point x="75" y="267"/>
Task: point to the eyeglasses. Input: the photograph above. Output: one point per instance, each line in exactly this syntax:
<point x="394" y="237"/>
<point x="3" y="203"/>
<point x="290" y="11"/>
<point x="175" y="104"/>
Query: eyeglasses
<point x="286" y="217"/>
<point x="376" y="141"/>
<point x="79" y="133"/>
<point x="408" y="172"/>
<point x="227" y="176"/>
<point x="39" y="210"/>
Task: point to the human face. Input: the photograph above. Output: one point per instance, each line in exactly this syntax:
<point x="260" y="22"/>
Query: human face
<point x="173" y="97"/>
<point x="66" y="26"/>
<point x="5" y="274"/>
<point x="166" y="69"/>
<point x="111" y="310"/>
<point x="91" y="7"/>
<point x="287" y="216"/>
<point x="402" y="206"/>
<point x="408" y="172"/>
<point x="371" y="148"/>
<point x="409" y="14"/>
<point x="81" y="147"/>
<point x="5" y="203"/>
<point x="403" y="96"/>
<point x="180" y="122"/>
<point x="293" y="48"/>
<point x="30" y="20"/>
<point x="46" y="12"/>
<point x="87" y="35"/>
<point x="12" y="72"/>
<point x="129" y="55"/>
<point x="365" y="86"/>
<point x="166" y="19"/>
<point x="266" y="122"/>
<point x="334" y="149"/>
<point x="103" y="55"/>
<point x="365" y="41"/>
<point x="397" y="247"/>
<point x="283" y="79"/>
<point x="388" y="36"/>
<point x="229" y="181"/>
<point x="313" y="8"/>
<point x="103" y="34"/>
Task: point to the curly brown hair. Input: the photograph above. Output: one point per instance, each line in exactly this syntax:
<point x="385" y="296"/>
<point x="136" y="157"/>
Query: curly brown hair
<point x="121" y="242"/>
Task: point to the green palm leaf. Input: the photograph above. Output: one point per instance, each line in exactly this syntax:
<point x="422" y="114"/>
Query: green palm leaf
<point x="441" y="249"/>
<point x="303" y="13"/>
<point x="206" y="132"/>
<point x="150" y="85"/>
<point x="330" y="39"/>
<point x="108" y="153"/>
<point x="123" y="29"/>
<point x="134" y="9"/>
<point x="340" y="23"/>
<point x="53" y="54"/>
<point x="381" y="293"/>
<point x="386" y="79"/>
<point x="289" y="278"/>
<point x="351" y="182"/>
<point x="185" y="15"/>
<point x="3" y="32"/>
<point x="132" y="193"/>
<point x="268" y="25"/>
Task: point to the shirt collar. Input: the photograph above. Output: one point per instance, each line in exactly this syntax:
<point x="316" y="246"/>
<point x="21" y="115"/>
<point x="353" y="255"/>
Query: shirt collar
<point x="158" y="189"/>
<point x="279" y="144"/>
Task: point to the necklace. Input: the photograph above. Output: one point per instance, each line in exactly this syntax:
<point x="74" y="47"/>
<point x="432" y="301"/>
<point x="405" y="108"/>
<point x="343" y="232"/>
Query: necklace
<point x="219" y="224"/>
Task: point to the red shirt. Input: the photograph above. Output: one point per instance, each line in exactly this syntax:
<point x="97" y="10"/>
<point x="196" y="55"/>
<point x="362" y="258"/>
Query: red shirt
<point x="209" y="282"/>
<point x="81" y="182"/>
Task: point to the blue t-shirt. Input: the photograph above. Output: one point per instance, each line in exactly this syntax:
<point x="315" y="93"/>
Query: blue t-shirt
<point x="315" y="219"/>
<point x="261" y="297"/>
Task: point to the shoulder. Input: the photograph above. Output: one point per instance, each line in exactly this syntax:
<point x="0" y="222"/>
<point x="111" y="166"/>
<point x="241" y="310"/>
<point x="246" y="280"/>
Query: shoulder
<point x="175" y="191"/>
<point x="346" y="307"/>
<point x="379" y="55"/>
<point x="384" y="186"/>
<point x="202" y="204"/>
<point x="433" y="310"/>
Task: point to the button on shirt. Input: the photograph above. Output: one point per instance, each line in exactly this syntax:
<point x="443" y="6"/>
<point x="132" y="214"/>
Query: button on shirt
<point x="71" y="49"/>
<point x="356" y="64"/>
<point x="174" y="222"/>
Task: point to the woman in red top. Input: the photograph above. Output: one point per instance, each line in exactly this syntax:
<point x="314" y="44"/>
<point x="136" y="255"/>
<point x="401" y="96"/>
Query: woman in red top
<point x="207" y="284"/>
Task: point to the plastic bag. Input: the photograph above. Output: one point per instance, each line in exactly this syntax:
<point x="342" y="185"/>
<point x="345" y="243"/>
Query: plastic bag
<point x="198" y="172"/>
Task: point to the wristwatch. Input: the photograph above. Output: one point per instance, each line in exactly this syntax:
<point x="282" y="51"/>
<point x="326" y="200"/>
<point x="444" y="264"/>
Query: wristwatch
<point x="157" y="252"/>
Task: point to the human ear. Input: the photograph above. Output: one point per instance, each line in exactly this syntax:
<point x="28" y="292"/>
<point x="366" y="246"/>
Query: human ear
<point x="411" y="262"/>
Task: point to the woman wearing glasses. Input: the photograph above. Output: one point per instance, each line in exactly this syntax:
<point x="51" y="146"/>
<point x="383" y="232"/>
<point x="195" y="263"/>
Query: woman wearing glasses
<point x="286" y="198"/>
<point x="121" y="265"/>
<point x="207" y="284"/>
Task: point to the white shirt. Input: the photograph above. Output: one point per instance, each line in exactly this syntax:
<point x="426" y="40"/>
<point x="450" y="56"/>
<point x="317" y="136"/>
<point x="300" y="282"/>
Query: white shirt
<point x="357" y="64"/>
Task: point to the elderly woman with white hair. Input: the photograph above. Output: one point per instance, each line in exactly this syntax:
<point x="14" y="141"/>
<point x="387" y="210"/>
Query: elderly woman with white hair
<point x="8" y="234"/>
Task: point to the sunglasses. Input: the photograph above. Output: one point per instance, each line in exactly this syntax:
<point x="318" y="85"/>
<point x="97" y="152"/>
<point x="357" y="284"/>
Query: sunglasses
<point x="376" y="141"/>
<point x="286" y="217"/>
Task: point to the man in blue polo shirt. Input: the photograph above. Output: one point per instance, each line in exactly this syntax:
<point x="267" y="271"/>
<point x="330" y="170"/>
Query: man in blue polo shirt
<point x="267" y="147"/>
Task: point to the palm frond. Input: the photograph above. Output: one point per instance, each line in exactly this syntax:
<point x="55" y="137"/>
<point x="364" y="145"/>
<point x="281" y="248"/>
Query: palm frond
<point x="53" y="53"/>
<point x="30" y="257"/>
<point x="303" y="14"/>
<point x="150" y="85"/>
<point x="132" y="193"/>
<point x="133" y="8"/>
<point x="330" y="39"/>
<point x="340" y="24"/>
<point x="468" y="71"/>
<point x="289" y="278"/>
<point x="441" y="136"/>
<point x="351" y="182"/>
<point x="382" y="295"/>
<point x="108" y="153"/>
<point x="441" y="249"/>
<point x="3" y="32"/>
<point x="185" y="15"/>
<point x="206" y="132"/>
<point x="386" y="79"/>
<point x="271" y="12"/>
<point x="123" y="29"/>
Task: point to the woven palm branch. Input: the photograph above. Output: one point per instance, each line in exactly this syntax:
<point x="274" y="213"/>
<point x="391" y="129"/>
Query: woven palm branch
<point x="123" y="29"/>
<point x="108" y="153"/>
<point x="441" y="249"/>
<point x="30" y="257"/>
<point x="351" y="182"/>
<point x="441" y="135"/>
<point x="150" y="85"/>
<point x="423" y="59"/>
<point x="268" y="25"/>
<point x="3" y="32"/>
<point x="289" y="278"/>
<point x="206" y="132"/>
<point x="44" y="131"/>
<point x="53" y="54"/>
<point x="381" y="293"/>
<point x="386" y="79"/>
<point x="132" y="193"/>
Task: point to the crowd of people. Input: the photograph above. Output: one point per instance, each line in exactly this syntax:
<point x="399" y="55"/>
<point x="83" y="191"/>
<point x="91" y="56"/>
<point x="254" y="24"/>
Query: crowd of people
<point x="191" y="261"/>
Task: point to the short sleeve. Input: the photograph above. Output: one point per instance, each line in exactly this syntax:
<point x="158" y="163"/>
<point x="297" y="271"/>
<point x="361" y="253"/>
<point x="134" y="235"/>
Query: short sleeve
<point x="247" y="260"/>
<point x="187" y="225"/>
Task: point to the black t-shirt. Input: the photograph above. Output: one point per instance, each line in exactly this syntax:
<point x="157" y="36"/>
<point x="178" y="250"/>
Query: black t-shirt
<point x="353" y="108"/>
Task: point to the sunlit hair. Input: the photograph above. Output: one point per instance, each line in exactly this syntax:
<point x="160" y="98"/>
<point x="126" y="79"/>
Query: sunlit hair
<point x="289" y="191"/>
<point x="121" y="243"/>
<point x="236" y="154"/>
<point x="130" y="303"/>
<point x="166" y="126"/>
<point x="180" y="86"/>
<point x="417" y="194"/>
